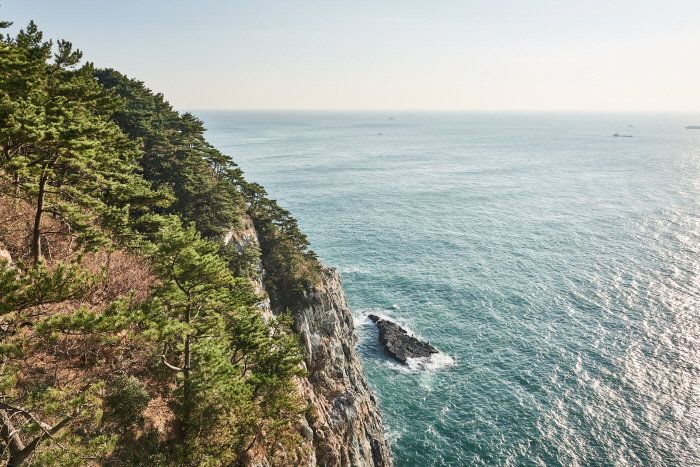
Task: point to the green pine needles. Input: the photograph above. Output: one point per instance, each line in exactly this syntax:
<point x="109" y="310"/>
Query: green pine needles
<point x="128" y="332"/>
<point x="234" y="373"/>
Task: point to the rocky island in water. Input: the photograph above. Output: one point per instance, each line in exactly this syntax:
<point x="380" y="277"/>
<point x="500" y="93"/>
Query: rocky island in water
<point x="398" y="343"/>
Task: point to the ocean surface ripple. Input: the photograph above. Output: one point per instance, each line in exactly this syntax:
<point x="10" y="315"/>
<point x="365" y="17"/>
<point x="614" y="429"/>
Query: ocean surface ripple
<point x="556" y="267"/>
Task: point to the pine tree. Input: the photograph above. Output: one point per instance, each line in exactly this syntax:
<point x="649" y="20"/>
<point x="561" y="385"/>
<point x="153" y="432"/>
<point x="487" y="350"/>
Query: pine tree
<point x="60" y="152"/>
<point x="58" y="148"/>
<point x="177" y="156"/>
<point x="33" y="417"/>
<point x="235" y="373"/>
<point x="89" y="157"/>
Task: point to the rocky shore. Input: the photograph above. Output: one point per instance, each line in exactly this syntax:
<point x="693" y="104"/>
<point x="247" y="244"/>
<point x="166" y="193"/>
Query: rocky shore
<point x="346" y="429"/>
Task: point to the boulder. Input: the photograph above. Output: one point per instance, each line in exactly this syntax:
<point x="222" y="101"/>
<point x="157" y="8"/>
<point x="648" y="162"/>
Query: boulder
<point x="398" y="343"/>
<point x="5" y="255"/>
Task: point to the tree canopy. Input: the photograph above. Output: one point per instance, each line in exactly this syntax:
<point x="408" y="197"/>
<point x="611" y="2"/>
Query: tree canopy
<point x="128" y="334"/>
<point x="60" y="150"/>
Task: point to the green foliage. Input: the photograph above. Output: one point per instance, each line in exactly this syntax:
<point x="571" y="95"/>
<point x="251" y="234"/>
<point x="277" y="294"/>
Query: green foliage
<point x="69" y="450"/>
<point x="291" y="268"/>
<point x="242" y="262"/>
<point x="114" y="163"/>
<point x="23" y="294"/>
<point x="58" y="148"/>
<point x="126" y="400"/>
<point x="33" y="426"/>
<point x="210" y="189"/>
<point x="23" y="287"/>
<point x="234" y="372"/>
<point x="176" y="155"/>
<point x="146" y="450"/>
<point x="36" y="413"/>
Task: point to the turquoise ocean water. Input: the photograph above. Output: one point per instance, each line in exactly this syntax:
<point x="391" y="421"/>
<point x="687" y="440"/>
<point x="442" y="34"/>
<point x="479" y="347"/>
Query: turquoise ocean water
<point x="555" y="266"/>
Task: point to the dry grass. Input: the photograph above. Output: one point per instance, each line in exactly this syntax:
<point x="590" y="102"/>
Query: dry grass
<point x="125" y="274"/>
<point x="15" y="227"/>
<point x="77" y="359"/>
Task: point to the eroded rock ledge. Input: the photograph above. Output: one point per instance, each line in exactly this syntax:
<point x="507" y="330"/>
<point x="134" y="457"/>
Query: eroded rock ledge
<point x="398" y="343"/>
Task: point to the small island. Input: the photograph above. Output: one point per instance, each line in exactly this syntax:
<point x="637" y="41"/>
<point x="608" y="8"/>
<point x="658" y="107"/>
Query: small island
<point x="398" y="343"/>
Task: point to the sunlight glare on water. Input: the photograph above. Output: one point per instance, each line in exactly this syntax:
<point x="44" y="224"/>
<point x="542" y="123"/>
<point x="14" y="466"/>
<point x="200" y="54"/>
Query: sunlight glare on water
<point x="555" y="266"/>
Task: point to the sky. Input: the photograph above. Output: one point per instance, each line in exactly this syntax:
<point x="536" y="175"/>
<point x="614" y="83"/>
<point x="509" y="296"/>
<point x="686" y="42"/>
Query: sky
<point x="592" y="55"/>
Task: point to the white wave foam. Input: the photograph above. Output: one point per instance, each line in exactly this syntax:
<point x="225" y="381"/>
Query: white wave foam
<point x="392" y="436"/>
<point x="364" y="327"/>
<point x="361" y="314"/>
<point x="352" y="270"/>
<point x="435" y="362"/>
<point x="376" y="312"/>
<point x="387" y="362"/>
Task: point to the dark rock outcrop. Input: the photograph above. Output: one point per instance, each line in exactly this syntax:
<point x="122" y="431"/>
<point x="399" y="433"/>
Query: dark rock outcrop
<point x="398" y="343"/>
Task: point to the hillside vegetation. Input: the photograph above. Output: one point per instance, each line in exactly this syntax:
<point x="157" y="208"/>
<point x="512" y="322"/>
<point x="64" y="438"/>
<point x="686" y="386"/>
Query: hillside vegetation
<point x="128" y="332"/>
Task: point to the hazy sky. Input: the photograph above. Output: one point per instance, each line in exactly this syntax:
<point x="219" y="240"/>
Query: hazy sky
<point x="439" y="54"/>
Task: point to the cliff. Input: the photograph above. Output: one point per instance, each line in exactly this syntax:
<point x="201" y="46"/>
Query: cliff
<point x="347" y="428"/>
<point x="118" y="284"/>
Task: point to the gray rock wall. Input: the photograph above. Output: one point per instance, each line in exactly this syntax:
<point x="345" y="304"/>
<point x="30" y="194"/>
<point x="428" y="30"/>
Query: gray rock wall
<point x="347" y="429"/>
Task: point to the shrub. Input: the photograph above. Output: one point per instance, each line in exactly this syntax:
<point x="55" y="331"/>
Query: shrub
<point x="126" y="400"/>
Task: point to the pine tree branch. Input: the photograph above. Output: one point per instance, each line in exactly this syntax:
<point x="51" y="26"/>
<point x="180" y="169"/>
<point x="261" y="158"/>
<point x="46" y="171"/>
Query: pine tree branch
<point x="172" y="367"/>
<point x="48" y="431"/>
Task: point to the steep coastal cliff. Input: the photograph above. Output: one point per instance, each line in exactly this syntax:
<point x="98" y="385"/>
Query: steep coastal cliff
<point x="113" y="274"/>
<point x="347" y="427"/>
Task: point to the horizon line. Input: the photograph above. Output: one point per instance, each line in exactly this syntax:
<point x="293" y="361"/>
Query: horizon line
<point x="436" y="110"/>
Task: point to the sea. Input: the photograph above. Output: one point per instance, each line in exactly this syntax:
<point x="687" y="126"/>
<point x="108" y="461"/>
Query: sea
<point x="556" y="268"/>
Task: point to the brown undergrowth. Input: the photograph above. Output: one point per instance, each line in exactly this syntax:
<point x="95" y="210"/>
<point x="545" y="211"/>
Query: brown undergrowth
<point x="73" y="360"/>
<point x="69" y="360"/>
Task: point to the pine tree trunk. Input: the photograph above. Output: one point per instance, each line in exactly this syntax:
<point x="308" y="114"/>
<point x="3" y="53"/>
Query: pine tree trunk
<point x="11" y="438"/>
<point x="187" y="392"/>
<point x="36" y="232"/>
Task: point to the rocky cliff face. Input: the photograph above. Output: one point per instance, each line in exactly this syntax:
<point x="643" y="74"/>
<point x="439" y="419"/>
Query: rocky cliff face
<point x="345" y="426"/>
<point x="347" y="429"/>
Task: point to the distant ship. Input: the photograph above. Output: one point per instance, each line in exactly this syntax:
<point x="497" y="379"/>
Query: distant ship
<point x="692" y="127"/>
<point x="623" y="136"/>
<point x="391" y="118"/>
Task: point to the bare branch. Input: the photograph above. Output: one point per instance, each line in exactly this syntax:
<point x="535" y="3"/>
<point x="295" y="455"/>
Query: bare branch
<point x="47" y="430"/>
<point x="174" y="368"/>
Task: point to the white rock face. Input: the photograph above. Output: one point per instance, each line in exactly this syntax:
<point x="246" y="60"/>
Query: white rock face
<point x="347" y="430"/>
<point x="246" y="239"/>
